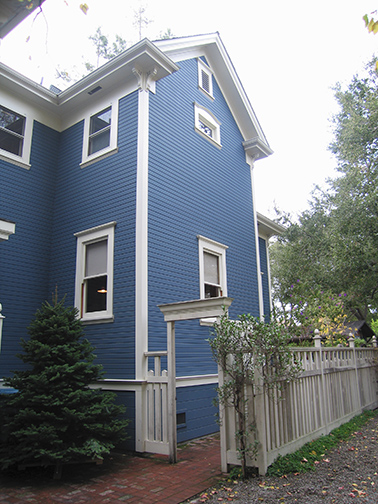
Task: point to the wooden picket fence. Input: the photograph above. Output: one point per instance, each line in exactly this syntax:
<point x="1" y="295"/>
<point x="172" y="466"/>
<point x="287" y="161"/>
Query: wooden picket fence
<point x="336" y="384"/>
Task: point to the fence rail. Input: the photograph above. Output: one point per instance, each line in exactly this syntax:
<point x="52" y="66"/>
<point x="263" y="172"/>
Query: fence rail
<point x="336" y="384"/>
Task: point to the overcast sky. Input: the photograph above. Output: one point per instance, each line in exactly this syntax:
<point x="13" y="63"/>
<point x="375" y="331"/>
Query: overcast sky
<point x="288" y="55"/>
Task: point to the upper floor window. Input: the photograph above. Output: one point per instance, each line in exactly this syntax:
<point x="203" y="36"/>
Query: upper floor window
<point x="212" y="270"/>
<point x="207" y="124"/>
<point x="205" y="78"/>
<point x="100" y="135"/>
<point x="94" y="273"/>
<point x="12" y="131"/>
<point x="99" y="131"/>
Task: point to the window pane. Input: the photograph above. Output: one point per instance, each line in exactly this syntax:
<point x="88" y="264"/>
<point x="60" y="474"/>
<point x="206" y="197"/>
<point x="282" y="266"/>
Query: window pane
<point x="100" y="121"/>
<point x="211" y="268"/>
<point x="11" y="143"/>
<point x="96" y="258"/>
<point x="11" y="121"/>
<point x="206" y="129"/>
<point x="211" y="291"/>
<point x="98" y="142"/>
<point x="96" y="294"/>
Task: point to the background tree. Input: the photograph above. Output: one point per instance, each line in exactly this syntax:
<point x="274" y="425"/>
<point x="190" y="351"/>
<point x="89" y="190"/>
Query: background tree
<point x="55" y="416"/>
<point x="333" y="245"/>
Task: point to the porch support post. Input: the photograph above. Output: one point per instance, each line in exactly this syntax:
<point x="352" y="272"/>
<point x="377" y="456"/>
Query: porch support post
<point x="172" y="427"/>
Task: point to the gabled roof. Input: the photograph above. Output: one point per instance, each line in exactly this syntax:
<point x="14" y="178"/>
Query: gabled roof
<point x="159" y="58"/>
<point x="212" y="47"/>
<point x="12" y="12"/>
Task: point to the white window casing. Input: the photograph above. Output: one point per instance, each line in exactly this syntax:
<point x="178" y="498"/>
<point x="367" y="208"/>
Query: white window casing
<point x="100" y="133"/>
<point x="206" y="124"/>
<point x="212" y="270"/>
<point x="94" y="273"/>
<point x="205" y="79"/>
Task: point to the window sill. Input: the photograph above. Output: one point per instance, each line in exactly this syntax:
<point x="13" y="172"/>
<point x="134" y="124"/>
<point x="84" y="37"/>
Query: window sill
<point x="98" y="157"/>
<point x="206" y="93"/>
<point x="211" y="140"/>
<point x="13" y="160"/>
<point x="208" y="321"/>
<point x="104" y="319"/>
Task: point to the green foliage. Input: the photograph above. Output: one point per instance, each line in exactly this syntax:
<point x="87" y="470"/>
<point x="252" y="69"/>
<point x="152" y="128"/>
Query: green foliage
<point x="55" y="416"/>
<point x="305" y="309"/>
<point x="374" y="325"/>
<point x="332" y="246"/>
<point x="305" y="458"/>
<point x="250" y="352"/>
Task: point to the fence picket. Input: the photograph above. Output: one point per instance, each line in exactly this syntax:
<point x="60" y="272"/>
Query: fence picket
<point x="335" y="385"/>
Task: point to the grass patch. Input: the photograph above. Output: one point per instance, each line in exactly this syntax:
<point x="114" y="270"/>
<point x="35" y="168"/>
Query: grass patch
<point x="304" y="459"/>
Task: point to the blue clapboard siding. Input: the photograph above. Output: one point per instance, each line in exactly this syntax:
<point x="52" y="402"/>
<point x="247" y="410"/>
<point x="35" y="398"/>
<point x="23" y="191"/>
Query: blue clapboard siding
<point x="127" y="398"/>
<point x="265" y="277"/>
<point x="86" y="197"/>
<point x="27" y="198"/>
<point x="196" y="403"/>
<point x="195" y="188"/>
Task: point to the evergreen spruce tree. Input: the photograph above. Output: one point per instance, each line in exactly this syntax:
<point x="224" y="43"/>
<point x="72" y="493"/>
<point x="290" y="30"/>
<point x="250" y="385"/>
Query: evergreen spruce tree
<point x="55" y="417"/>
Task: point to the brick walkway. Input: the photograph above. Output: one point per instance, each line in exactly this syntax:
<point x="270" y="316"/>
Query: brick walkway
<point x="126" y="479"/>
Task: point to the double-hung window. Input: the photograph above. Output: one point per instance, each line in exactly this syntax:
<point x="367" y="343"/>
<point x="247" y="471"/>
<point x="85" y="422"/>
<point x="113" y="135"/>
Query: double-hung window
<point x="100" y="134"/>
<point x="16" y="134"/>
<point x="12" y="130"/>
<point x="94" y="273"/>
<point x="212" y="270"/>
<point x="99" y="131"/>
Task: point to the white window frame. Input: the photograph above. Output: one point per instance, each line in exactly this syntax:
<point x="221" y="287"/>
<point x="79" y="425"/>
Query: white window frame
<point x="204" y="69"/>
<point x="88" y="159"/>
<point x="204" y="116"/>
<point x="84" y="238"/>
<point x="22" y="160"/>
<point x="219" y="250"/>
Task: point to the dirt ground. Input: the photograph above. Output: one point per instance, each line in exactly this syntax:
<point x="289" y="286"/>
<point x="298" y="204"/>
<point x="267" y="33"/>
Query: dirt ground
<point x="346" y="474"/>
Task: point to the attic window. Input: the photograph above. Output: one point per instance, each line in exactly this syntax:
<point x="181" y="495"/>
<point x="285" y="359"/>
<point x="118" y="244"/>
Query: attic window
<point x="207" y="124"/>
<point x="205" y="79"/>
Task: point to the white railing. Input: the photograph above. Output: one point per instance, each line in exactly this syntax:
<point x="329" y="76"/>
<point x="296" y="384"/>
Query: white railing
<point x="336" y="384"/>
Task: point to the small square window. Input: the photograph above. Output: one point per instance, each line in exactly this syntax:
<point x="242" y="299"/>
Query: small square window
<point x="205" y="78"/>
<point x="12" y="130"/>
<point x="94" y="273"/>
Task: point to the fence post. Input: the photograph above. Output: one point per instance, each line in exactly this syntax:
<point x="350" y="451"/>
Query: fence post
<point x="261" y="420"/>
<point x="317" y="339"/>
<point x="172" y="427"/>
<point x="223" y="425"/>
<point x="351" y="345"/>
<point x="374" y="340"/>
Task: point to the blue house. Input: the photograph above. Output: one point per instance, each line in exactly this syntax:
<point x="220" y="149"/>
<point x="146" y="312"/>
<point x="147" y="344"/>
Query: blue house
<point x="131" y="189"/>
